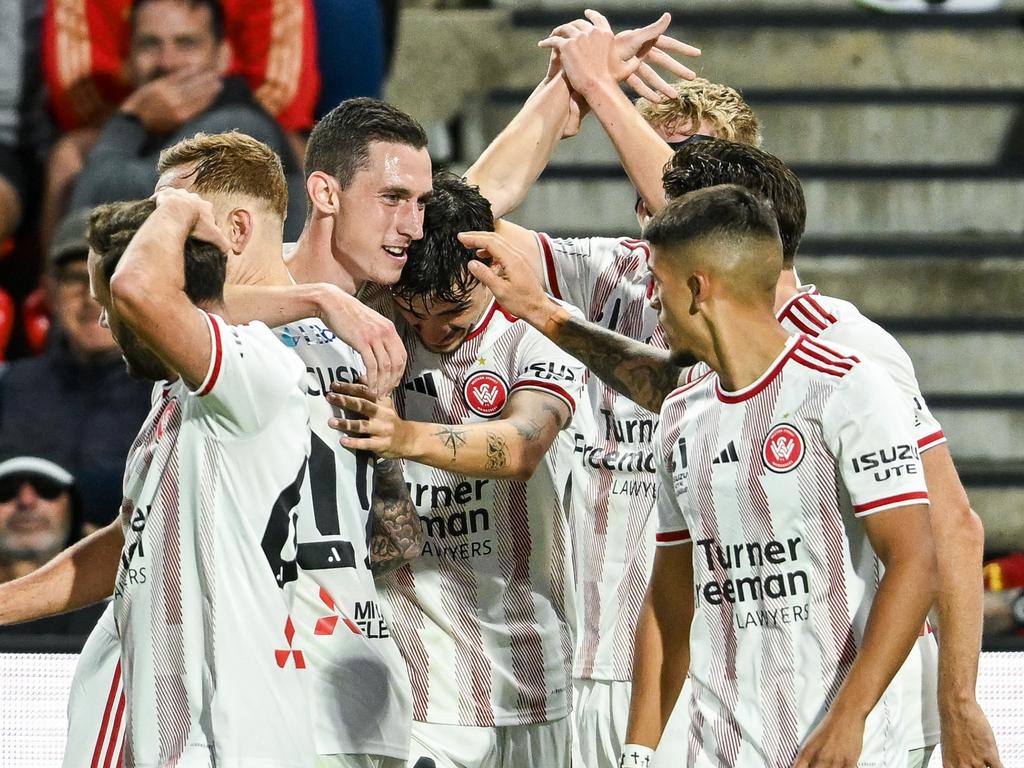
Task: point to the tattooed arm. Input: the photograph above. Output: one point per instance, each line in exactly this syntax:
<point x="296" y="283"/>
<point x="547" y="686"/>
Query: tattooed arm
<point x="397" y="535"/>
<point x="637" y="370"/>
<point x="509" y="447"/>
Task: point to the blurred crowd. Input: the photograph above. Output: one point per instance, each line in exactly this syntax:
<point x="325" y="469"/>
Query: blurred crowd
<point x="90" y="93"/>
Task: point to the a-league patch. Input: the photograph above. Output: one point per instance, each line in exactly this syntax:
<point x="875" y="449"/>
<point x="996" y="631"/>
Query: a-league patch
<point x="783" y="448"/>
<point x="485" y="392"/>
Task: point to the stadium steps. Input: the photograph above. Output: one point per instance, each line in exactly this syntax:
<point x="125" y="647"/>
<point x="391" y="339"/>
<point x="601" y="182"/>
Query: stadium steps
<point x="902" y="129"/>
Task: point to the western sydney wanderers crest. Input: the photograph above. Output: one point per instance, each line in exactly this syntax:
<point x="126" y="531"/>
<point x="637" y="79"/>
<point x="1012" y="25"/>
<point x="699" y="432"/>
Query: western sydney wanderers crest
<point x="485" y="392"/>
<point x="783" y="448"/>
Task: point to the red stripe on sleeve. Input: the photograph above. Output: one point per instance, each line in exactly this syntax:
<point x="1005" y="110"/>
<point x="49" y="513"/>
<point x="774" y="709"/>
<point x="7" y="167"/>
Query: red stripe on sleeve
<point x="98" y="750"/>
<point x="218" y="358"/>
<point x="891" y="500"/>
<point x="548" y="387"/>
<point x="549" y="265"/>
<point x="672" y="537"/>
<point x="930" y="440"/>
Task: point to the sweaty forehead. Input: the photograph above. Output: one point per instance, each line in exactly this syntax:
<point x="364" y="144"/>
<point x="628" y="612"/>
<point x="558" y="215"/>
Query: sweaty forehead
<point x="399" y="165"/>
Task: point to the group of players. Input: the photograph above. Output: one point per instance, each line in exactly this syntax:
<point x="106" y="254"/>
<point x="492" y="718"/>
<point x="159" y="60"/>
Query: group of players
<point x="398" y="497"/>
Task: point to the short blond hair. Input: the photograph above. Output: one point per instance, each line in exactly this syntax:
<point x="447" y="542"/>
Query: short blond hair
<point x="231" y="163"/>
<point x="723" y="107"/>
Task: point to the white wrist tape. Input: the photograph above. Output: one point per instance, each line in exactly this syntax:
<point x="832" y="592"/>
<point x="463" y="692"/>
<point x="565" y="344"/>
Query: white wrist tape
<point x="636" y="756"/>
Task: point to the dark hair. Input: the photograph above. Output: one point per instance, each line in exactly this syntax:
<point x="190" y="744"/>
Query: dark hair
<point x="437" y="263"/>
<point x="340" y="142"/>
<point x="215" y="8"/>
<point x="727" y="210"/>
<point x="702" y="164"/>
<point x="111" y="228"/>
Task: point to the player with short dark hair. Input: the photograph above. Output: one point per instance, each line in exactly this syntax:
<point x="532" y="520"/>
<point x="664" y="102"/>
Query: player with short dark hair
<point x="480" y="417"/>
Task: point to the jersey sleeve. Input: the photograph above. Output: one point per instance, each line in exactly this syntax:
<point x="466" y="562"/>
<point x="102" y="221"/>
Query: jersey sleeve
<point x="573" y="267"/>
<point x="543" y="367"/>
<point x="672" y="527"/>
<point x="870" y="431"/>
<point x="251" y="375"/>
<point x="876" y="344"/>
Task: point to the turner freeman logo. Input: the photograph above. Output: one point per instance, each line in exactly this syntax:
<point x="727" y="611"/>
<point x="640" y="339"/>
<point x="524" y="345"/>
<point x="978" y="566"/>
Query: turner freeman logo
<point x="485" y="393"/>
<point x="783" y="448"/>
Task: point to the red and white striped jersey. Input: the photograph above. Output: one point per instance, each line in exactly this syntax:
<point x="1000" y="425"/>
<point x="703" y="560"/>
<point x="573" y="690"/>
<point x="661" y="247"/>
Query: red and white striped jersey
<point x="836" y="321"/>
<point x="767" y="485"/>
<point x="358" y="684"/>
<point x="96" y="705"/>
<point x="484" y="615"/>
<point x="613" y="465"/>
<point x="212" y="674"/>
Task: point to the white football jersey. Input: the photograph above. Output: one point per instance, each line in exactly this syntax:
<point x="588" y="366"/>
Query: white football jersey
<point x="96" y="715"/>
<point x="358" y="683"/>
<point x="212" y="673"/>
<point x="836" y="321"/>
<point x="614" y="487"/>
<point x="767" y="484"/>
<point x="483" y="616"/>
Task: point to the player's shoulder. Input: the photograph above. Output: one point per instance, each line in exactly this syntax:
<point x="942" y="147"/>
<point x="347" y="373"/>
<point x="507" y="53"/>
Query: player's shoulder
<point x="618" y="247"/>
<point x="700" y="386"/>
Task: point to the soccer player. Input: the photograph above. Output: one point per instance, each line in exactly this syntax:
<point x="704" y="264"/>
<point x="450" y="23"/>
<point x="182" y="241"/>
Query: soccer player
<point x="646" y="375"/>
<point x="226" y="443"/>
<point x="763" y="482"/>
<point x="483" y="616"/>
<point x="606" y="278"/>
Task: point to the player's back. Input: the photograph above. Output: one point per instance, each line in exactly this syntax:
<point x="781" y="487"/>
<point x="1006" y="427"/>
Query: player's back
<point x="767" y="483"/>
<point x="358" y="681"/>
<point x="211" y="676"/>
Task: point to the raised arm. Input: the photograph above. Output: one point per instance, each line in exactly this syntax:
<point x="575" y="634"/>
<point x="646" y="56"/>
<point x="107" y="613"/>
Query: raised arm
<point x="397" y="535"/>
<point x="368" y="332"/>
<point x="81" y="575"/>
<point x="509" y="447"/>
<point x="147" y="288"/>
<point x="639" y="371"/>
<point x="594" y="69"/>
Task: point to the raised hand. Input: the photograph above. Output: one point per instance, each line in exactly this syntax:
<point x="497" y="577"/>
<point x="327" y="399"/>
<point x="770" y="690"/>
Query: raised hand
<point x="166" y="103"/>
<point x="204" y="222"/>
<point x="370" y="423"/>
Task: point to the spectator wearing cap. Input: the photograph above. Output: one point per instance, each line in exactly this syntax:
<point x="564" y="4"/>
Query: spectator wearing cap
<point x="39" y="505"/>
<point x="75" y="402"/>
<point x="39" y="514"/>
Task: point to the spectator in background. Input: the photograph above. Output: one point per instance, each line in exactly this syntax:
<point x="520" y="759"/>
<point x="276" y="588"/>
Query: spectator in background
<point x="39" y="516"/>
<point x="12" y="170"/>
<point x="75" y="402"/>
<point x="177" y="61"/>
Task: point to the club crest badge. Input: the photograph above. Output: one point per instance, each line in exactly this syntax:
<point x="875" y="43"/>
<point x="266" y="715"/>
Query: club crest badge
<point x="783" y="448"/>
<point x="485" y="392"/>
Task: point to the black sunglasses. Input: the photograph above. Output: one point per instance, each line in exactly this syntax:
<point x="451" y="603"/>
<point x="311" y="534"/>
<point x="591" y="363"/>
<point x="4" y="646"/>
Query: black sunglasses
<point x="675" y="145"/>
<point x="45" y="487"/>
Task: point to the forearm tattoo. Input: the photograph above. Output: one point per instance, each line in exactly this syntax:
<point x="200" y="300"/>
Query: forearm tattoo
<point x="452" y="439"/>
<point x="397" y="535"/>
<point x="639" y="371"/>
<point x="497" y="452"/>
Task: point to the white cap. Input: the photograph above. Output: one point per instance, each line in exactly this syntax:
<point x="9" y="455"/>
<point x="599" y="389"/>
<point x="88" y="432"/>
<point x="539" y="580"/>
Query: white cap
<point x="33" y="465"/>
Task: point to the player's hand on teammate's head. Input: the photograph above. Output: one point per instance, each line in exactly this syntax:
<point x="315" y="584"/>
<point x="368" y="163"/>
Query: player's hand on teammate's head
<point x="370" y="334"/>
<point x="204" y="222"/>
<point x="588" y="50"/>
<point x="369" y="422"/>
<point x="503" y="269"/>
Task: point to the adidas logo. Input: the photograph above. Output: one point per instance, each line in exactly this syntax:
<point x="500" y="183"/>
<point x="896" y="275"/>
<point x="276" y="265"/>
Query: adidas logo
<point x="423" y="384"/>
<point x="727" y="455"/>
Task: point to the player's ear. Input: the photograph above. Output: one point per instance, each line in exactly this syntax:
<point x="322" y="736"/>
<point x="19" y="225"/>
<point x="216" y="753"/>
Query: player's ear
<point x="241" y="226"/>
<point x="323" y="192"/>
<point x="697" y="283"/>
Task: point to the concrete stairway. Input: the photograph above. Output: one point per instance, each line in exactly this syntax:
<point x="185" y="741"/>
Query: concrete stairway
<point x="899" y="128"/>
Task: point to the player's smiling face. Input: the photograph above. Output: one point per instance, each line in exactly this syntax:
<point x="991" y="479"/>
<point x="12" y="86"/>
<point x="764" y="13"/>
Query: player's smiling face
<point x="381" y="212"/>
<point x="442" y="326"/>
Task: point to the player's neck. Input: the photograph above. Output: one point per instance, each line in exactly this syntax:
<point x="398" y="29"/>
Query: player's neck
<point x="744" y="348"/>
<point x="261" y="265"/>
<point x="313" y="261"/>
<point x="787" y="287"/>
